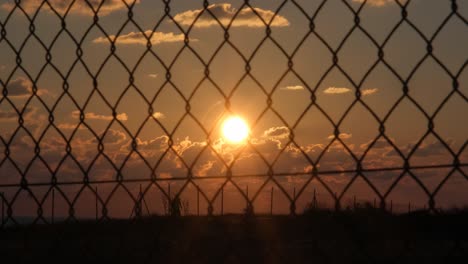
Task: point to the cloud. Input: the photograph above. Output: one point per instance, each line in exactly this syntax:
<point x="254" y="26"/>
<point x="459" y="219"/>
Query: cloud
<point x="205" y="168"/>
<point x="342" y="90"/>
<point x="67" y="126"/>
<point x="188" y="149"/>
<point x="159" y="115"/>
<point x="433" y="148"/>
<point x="153" y="75"/>
<point x="30" y="116"/>
<point x="381" y="143"/>
<point x="337" y="90"/>
<point x="156" y="144"/>
<point x="293" y="88"/>
<point x="12" y="115"/>
<point x="117" y="148"/>
<point x="369" y="91"/>
<point x="276" y="132"/>
<point x="224" y="12"/>
<point x="426" y="149"/>
<point x="377" y="3"/>
<point x="22" y="88"/>
<point x="112" y="137"/>
<point x="341" y="135"/>
<point x="8" y="115"/>
<point x="19" y="87"/>
<point x="139" y="38"/>
<point x="171" y="165"/>
<point x="94" y="116"/>
<point x="79" y="7"/>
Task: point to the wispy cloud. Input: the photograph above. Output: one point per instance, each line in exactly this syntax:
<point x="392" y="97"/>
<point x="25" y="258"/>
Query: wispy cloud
<point x="112" y="137"/>
<point x="79" y="7"/>
<point x="378" y="3"/>
<point x="153" y="75"/>
<point x="11" y="115"/>
<point x="139" y="38"/>
<point x="426" y="149"/>
<point x="369" y="91"/>
<point x="337" y="90"/>
<point x="276" y="132"/>
<point x="342" y="136"/>
<point x="68" y="126"/>
<point x="159" y="115"/>
<point x="293" y="88"/>
<point x="94" y="116"/>
<point x="224" y="12"/>
<point x="342" y="90"/>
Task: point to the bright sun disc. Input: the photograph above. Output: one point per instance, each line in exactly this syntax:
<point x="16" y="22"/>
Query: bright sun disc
<point x="235" y="129"/>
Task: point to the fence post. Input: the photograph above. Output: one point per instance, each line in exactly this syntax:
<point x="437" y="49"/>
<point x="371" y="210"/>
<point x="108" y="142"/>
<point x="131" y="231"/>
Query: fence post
<point x="53" y="206"/>
<point x="97" y="209"/>
<point x="375" y="205"/>
<point x="222" y="200"/>
<point x="337" y="202"/>
<point x="3" y="209"/>
<point x="140" y="201"/>
<point x="271" y="201"/>
<point x="169" y="201"/>
<point x="247" y="194"/>
<point x="409" y="207"/>
<point x="315" y="200"/>
<point x="391" y="206"/>
<point x="146" y="205"/>
<point x="169" y="190"/>
<point x="198" y="201"/>
<point x="354" y="202"/>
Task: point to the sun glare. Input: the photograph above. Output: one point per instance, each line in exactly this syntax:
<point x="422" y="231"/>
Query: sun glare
<point x="235" y="129"/>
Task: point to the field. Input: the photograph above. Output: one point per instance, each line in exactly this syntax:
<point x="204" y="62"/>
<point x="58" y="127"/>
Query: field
<point x="317" y="237"/>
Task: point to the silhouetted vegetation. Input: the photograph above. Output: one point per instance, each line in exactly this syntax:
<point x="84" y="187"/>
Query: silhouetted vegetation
<point x="176" y="206"/>
<point x="248" y="210"/>
<point x="364" y="235"/>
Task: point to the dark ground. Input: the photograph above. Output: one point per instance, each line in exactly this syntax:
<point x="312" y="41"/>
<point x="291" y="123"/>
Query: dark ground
<point x="319" y="237"/>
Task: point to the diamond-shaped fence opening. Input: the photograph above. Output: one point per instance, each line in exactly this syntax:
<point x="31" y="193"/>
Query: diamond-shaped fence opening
<point x="118" y="109"/>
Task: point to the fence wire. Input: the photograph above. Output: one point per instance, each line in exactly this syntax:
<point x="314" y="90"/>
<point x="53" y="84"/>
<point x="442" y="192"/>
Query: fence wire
<point x="54" y="186"/>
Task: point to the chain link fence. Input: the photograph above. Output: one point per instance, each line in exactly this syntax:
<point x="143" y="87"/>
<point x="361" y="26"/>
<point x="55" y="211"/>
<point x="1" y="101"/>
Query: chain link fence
<point x="57" y="163"/>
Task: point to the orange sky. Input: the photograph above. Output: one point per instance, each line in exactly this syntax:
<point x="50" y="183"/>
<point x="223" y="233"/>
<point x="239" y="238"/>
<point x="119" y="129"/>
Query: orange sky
<point x="144" y="96"/>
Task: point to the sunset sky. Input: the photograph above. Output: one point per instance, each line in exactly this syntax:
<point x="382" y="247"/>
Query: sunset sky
<point x="145" y="93"/>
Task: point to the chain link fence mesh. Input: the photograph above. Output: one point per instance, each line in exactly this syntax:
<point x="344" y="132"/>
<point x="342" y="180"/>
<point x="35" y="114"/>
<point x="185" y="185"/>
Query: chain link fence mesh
<point x="28" y="140"/>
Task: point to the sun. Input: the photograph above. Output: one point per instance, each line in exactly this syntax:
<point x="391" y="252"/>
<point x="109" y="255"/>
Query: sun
<point x="235" y="129"/>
